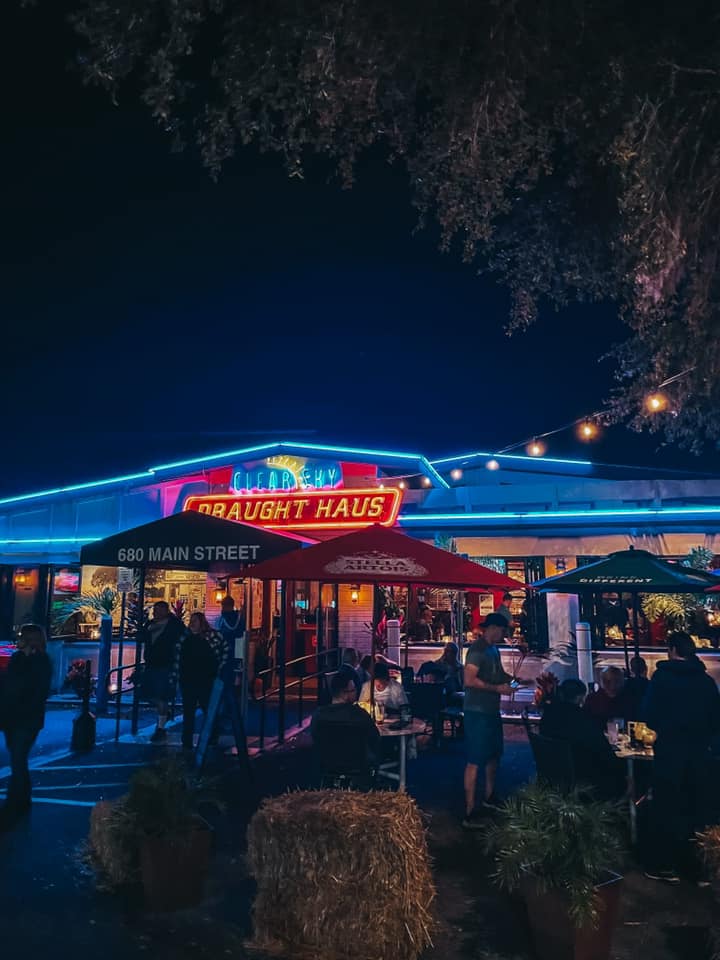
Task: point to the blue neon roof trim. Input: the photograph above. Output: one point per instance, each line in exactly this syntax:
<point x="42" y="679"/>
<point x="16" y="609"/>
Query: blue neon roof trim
<point x="151" y="471"/>
<point x="355" y="451"/>
<point x="51" y="540"/>
<point x="514" y="456"/>
<point x="561" y="514"/>
<point x="77" y="486"/>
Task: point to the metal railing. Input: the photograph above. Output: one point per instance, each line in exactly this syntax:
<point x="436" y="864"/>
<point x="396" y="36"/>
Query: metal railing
<point x="284" y="685"/>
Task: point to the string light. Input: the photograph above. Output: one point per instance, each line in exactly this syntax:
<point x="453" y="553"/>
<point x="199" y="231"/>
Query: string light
<point x="656" y="402"/>
<point x="401" y="485"/>
<point x="588" y="427"/>
<point x="587" y="430"/>
<point x="492" y="464"/>
<point x="536" y="449"/>
<point x="456" y="474"/>
<point x="426" y="482"/>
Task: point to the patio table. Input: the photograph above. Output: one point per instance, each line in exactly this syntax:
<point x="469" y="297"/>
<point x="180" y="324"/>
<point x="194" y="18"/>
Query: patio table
<point x="630" y="754"/>
<point x="414" y="727"/>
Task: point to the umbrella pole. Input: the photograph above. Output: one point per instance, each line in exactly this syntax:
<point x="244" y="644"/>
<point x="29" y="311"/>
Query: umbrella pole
<point x="373" y="629"/>
<point x="636" y="630"/>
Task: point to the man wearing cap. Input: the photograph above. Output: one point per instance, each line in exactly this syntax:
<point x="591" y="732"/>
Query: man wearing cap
<point x="485" y="681"/>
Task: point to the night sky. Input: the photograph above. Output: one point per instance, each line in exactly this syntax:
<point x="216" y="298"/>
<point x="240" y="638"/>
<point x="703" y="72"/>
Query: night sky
<point x="150" y="313"/>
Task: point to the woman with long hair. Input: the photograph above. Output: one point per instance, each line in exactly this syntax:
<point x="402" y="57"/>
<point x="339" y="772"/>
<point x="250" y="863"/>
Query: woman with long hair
<point x="22" y="714"/>
<point x="203" y="656"/>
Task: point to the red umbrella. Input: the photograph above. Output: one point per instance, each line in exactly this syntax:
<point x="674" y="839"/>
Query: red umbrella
<point x="382" y="555"/>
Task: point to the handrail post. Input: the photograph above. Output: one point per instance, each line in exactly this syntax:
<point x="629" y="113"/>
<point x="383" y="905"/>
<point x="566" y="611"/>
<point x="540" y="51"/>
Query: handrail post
<point x="140" y="626"/>
<point x="262" y="722"/>
<point x="281" y="654"/>
<point x="300" y="701"/>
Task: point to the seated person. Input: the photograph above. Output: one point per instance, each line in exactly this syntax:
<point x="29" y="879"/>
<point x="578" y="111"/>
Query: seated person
<point x="388" y="692"/>
<point x="636" y="688"/>
<point x="424" y="629"/>
<point x="446" y="669"/>
<point x="364" y="670"/>
<point x="609" y="702"/>
<point x="331" y="725"/>
<point x="350" y="663"/>
<point x="593" y="759"/>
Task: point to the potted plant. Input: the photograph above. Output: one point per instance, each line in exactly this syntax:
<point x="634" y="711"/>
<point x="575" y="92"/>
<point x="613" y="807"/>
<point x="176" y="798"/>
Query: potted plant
<point x="561" y="851"/>
<point x="156" y="831"/>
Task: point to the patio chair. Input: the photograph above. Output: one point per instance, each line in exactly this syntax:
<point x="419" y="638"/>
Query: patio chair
<point x="553" y="761"/>
<point x="342" y="756"/>
<point x="427" y="701"/>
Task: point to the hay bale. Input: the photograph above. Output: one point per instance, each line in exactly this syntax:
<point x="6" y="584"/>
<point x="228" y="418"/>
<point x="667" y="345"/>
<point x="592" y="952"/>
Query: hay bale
<point x="341" y="876"/>
<point x="113" y="847"/>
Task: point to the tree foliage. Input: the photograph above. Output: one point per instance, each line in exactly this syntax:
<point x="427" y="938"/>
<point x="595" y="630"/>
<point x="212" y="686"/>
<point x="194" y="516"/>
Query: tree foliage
<point x="570" y="147"/>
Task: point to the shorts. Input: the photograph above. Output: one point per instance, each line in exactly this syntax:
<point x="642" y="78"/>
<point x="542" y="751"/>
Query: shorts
<point x="157" y="685"/>
<point x="483" y="737"/>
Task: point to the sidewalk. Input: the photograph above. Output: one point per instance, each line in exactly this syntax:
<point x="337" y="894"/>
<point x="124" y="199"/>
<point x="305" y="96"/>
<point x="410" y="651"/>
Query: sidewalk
<point x="50" y="905"/>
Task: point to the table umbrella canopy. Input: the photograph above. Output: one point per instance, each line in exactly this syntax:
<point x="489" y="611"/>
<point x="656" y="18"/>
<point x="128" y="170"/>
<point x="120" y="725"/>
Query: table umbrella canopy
<point x="629" y="571"/>
<point x="382" y="555"/>
<point x="189" y="541"/>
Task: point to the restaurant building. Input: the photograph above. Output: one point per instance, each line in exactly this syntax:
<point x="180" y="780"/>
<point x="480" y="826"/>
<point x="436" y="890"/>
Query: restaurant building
<point x="527" y="517"/>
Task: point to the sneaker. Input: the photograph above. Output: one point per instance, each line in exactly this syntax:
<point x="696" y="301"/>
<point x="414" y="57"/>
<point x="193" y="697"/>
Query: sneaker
<point x="473" y="821"/>
<point x="664" y="876"/>
<point x="492" y="804"/>
<point x="159" y="736"/>
<point x="703" y="884"/>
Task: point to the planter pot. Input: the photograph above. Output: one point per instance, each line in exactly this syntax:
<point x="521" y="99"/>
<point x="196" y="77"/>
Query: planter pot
<point x="554" y="935"/>
<point x="174" y="869"/>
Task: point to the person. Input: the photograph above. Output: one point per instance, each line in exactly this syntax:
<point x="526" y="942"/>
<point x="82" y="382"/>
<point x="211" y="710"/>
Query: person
<point x="22" y="714"/>
<point x="204" y="654"/>
<point x="329" y="728"/>
<point x="162" y="637"/>
<point x="636" y="687"/>
<point x="682" y="706"/>
<point x="504" y="611"/>
<point x="388" y="692"/>
<point x="231" y="624"/>
<point x="447" y="669"/>
<point x="350" y="667"/>
<point x="364" y="670"/>
<point x="485" y="681"/>
<point x="609" y="702"/>
<point x="424" y="629"/>
<point x="594" y="762"/>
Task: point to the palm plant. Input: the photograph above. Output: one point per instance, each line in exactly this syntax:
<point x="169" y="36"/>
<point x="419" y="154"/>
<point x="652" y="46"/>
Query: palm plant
<point x="568" y="843"/>
<point x="104" y="602"/>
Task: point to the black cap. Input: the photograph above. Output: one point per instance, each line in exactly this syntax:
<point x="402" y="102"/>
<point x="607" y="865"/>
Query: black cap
<point x="495" y="620"/>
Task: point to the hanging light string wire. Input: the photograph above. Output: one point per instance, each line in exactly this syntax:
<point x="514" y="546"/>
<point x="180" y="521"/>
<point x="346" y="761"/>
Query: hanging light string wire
<point x="594" y="417"/>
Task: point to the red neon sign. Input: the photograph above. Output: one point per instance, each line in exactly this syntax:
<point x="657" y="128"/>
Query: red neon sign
<point x="304" y="509"/>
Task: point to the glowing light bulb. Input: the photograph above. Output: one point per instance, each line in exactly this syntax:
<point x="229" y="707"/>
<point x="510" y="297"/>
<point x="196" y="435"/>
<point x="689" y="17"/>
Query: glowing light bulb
<point x="492" y="464"/>
<point x="587" y="430"/>
<point x="656" y="402"/>
<point x="402" y="485"/>
<point x="456" y="474"/>
<point x="426" y="481"/>
<point x="535" y="449"/>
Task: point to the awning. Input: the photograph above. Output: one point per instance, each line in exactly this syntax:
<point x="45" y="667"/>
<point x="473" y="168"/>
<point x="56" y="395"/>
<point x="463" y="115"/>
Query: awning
<point x="629" y="571"/>
<point x="190" y="541"/>
<point x="382" y="555"/>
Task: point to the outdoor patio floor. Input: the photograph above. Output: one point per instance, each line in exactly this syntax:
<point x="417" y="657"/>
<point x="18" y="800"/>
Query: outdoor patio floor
<point x="50" y="904"/>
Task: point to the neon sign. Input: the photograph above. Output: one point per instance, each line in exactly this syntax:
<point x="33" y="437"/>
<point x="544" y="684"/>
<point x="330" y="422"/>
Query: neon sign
<point x="304" y="510"/>
<point x="284" y="473"/>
